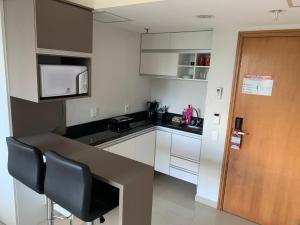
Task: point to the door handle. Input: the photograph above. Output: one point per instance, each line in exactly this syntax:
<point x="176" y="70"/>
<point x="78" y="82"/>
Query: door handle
<point x="241" y="133"/>
<point x="238" y="127"/>
<point x="237" y="134"/>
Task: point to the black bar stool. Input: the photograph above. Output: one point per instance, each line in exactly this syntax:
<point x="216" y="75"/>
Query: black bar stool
<point x="25" y="163"/>
<point x="70" y="184"/>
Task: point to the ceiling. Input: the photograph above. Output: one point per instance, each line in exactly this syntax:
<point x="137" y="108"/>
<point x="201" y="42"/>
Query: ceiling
<point x="101" y="4"/>
<point x="180" y="15"/>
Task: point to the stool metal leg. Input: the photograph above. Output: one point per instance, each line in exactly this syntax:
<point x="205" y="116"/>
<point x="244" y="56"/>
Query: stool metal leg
<point x="71" y="219"/>
<point x="89" y="223"/>
<point x="50" y="219"/>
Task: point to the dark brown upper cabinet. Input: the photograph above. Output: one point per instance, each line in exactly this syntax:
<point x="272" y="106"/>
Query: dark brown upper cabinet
<point x="62" y="26"/>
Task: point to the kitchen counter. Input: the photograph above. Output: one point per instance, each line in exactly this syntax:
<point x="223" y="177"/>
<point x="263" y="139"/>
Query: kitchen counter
<point x="134" y="179"/>
<point x="99" y="133"/>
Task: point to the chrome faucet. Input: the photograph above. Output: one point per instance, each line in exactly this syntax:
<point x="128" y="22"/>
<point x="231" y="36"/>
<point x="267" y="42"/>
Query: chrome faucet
<point x="198" y="117"/>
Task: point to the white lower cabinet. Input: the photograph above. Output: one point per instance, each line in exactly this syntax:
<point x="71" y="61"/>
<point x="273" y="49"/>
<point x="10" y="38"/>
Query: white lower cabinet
<point x="140" y="148"/>
<point x="163" y="152"/>
<point x="186" y="165"/>
<point x="125" y="149"/>
<point x="185" y="156"/>
<point x="145" y="148"/>
<point x="171" y="152"/>
<point x="183" y="175"/>
<point x="187" y="147"/>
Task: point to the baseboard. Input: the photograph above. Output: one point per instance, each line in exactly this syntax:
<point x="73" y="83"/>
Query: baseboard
<point x="206" y="201"/>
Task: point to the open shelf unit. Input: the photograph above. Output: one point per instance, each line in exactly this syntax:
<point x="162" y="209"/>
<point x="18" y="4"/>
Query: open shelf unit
<point x="193" y="65"/>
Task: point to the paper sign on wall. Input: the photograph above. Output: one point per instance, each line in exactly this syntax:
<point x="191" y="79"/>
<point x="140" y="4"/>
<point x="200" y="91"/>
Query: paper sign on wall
<point x="257" y="85"/>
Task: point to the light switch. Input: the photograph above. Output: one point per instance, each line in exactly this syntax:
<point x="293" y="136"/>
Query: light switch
<point x="217" y="118"/>
<point x="127" y="108"/>
<point x="94" y="112"/>
<point x="219" y="92"/>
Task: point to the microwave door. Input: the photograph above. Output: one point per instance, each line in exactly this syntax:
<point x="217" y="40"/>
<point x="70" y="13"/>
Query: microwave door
<point x="59" y="80"/>
<point x="82" y="83"/>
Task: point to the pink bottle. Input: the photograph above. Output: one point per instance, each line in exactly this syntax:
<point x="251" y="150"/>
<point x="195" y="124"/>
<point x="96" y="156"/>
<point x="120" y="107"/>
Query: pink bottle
<point x="189" y="114"/>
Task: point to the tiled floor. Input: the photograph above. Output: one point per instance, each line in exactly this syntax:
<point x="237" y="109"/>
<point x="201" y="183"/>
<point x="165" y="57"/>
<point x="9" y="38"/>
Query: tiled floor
<point x="173" y="204"/>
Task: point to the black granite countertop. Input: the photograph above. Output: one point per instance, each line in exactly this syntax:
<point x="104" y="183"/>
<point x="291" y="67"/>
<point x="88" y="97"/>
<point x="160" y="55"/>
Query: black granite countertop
<point x="98" y="132"/>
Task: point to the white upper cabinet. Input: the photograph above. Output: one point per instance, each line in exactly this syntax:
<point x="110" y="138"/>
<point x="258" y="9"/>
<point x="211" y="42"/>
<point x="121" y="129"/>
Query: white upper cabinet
<point x="156" y="41"/>
<point x="191" y="40"/>
<point x="157" y="63"/>
<point x="179" y="41"/>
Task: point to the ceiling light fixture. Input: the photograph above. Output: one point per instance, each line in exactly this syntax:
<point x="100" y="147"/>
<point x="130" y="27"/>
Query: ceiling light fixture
<point x="276" y="13"/>
<point x="208" y="16"/>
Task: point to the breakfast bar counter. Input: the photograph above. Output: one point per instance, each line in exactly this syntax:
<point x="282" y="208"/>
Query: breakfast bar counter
<point x="134" y="179"/>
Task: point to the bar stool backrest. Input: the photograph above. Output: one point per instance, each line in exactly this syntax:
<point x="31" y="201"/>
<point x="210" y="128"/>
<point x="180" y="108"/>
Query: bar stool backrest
<point x="25" y="163"/>
<point x="69" y="184"/>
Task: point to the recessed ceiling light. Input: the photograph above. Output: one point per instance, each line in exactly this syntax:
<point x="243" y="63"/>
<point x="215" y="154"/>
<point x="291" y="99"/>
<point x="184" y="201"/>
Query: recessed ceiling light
<point x="205" y="16"/>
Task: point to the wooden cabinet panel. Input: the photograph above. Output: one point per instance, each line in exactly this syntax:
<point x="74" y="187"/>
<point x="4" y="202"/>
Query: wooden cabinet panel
<point x="162" y="64"/>
<point x="20" y="46"/>
<point x="163" y="148"/>
<point x="156" y="41"/>
<point x="62" y="26"/>
<point x="186" y="147"/>
<point x="191" y="40"/>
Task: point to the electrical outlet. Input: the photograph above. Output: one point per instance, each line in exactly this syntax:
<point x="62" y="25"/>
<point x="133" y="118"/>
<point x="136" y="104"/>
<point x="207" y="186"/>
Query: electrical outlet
<point x="94" y="112"/>
<point x="127" y="108"/>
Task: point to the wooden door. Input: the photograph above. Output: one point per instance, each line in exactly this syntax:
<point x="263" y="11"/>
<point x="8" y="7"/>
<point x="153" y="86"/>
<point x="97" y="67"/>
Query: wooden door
<point x="263" y="178"/>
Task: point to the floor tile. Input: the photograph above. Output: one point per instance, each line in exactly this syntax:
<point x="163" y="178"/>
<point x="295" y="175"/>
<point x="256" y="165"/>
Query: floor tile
<point x="174" y="204"/>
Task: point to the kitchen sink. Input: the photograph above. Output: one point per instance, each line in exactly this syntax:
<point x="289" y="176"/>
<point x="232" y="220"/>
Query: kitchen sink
<point x="193" y="127"/>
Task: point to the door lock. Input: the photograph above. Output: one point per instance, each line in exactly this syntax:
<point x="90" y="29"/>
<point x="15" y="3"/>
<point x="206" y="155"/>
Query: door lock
<point x="237" y="134"/>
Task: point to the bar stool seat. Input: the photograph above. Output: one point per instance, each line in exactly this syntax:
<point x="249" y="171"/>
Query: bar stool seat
<point x="71" y="185"/>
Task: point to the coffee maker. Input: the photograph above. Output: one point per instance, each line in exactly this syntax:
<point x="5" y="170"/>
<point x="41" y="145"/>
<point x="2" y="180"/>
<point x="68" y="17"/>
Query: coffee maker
<point x="152" y="108"/>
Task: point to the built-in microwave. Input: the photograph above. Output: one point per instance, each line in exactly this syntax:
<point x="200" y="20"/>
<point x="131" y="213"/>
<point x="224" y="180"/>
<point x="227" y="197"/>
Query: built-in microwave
<point x="63" y="80"/>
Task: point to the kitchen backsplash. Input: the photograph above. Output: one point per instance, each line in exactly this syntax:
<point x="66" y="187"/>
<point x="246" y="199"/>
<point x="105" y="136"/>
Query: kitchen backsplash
<point x="178" y="94"/>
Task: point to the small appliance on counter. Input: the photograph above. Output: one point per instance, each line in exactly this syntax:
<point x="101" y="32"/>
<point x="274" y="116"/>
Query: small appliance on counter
<point x="152" y="108"/>
<point x="162" y="114"/>
<point x="120" y="123"/>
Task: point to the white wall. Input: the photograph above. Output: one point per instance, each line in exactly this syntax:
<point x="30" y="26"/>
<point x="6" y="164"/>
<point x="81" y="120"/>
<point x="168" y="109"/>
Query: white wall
<point x="7" y="200"/>
<point x="221" y="75"/>
<point x="115" y="77"/>
<point x="177" y="94"/>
